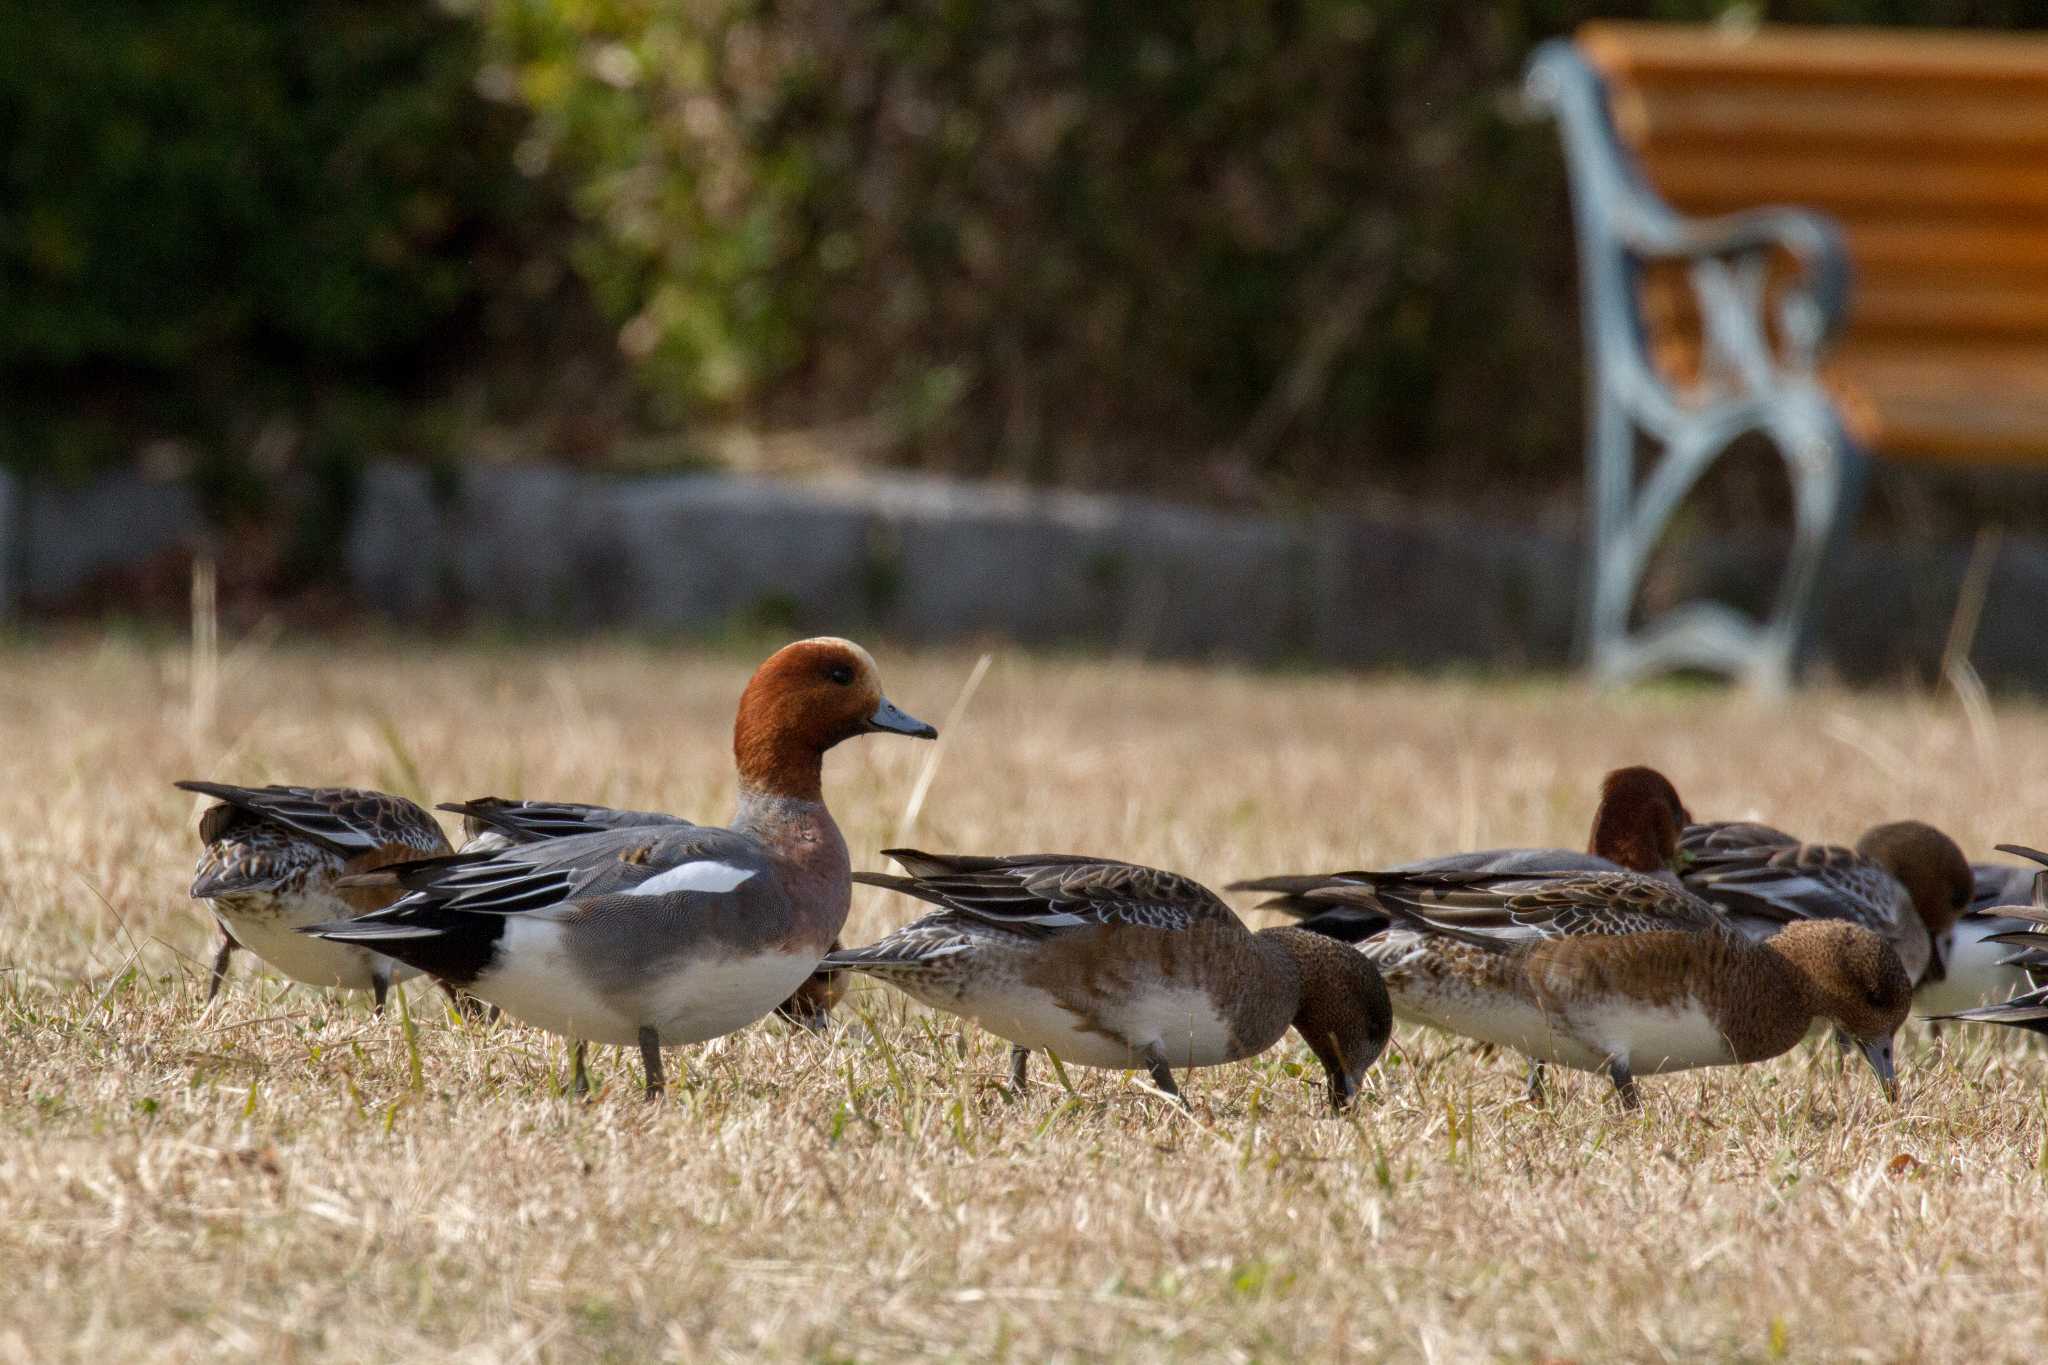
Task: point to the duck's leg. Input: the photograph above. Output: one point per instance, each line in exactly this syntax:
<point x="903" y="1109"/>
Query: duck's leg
<point x="1534" y="1086"/>
<point x="579" y="1074"/>
<point x="1162" y="1076"/>
<point x="468" y="1006"/>
<point x="220" y="964"/>
<point x="380" y="986"/>
<point x="1020" y="1068"/>
<point x="1624" y="1084"/>
<point x="650" y="1061"/>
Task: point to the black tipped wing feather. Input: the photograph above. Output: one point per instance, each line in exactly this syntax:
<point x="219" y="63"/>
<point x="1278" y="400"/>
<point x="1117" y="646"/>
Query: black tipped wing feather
<point x="1051" y="892"/>
<point x="344" y="820"/>
<point x="1491" y="908"/>
<point x="526" y="822"/>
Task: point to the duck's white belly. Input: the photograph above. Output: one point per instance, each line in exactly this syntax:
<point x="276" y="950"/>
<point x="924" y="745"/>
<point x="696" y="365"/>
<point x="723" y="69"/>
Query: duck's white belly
<point x="1653" y="1038"/>
<point x="1502" y="1020"/>
<point x="1183" y="1023"/>
<point x="1650" y="1039"/>
<point x="268" y="927"/>
<point x="537" y="981"/>
<point x="712" y="998"/>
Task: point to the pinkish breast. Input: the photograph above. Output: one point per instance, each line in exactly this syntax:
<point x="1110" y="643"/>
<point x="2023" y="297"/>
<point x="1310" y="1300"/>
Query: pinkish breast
<point x="812" y="862"/>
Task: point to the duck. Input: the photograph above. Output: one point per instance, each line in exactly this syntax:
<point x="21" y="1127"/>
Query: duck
<point x="1635" y="829"/>
<point x="491" y="824"/>
<point x="274" y="859"/>
<point x="1620" y="973"/>
<point x="666" y="934"/>
<point x="1978" y="965"/>
<point x="1905" y="880"/>
<point x="1115" y="965"/>
<point x="2019" y="933"/>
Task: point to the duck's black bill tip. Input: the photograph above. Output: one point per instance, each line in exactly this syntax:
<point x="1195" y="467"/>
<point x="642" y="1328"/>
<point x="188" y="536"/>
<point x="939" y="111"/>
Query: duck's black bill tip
<point x="893" y="720"/>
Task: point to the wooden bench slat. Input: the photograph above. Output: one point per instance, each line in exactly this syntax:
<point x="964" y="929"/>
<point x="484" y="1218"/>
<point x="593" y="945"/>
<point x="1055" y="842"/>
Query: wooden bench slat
<point x="1896" y="122"/>
<point x="1930" y="148"/>
<point x="1938" y="312"/>
<point x="1652" y="53"/>
<point x="1907" y="248"/>
<point x="1960" y="187"/>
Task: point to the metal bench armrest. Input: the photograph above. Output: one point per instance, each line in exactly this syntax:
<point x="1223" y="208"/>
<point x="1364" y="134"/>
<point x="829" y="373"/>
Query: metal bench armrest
<point x="1812" y="309"/>
<point x="1623" y="224"/>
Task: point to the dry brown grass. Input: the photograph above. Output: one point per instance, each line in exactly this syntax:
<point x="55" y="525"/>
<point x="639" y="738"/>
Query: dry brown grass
<point x="268" y="1179"/>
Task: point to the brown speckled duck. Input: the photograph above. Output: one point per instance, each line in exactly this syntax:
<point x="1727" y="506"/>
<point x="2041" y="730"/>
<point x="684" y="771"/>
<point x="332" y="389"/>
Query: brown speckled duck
<point x="270" y="863"/>
<point x="1109" y="964"/>
<point x="1621" y="973"/>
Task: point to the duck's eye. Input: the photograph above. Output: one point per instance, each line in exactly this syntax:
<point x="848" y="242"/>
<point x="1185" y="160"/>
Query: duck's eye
<point x="841" y="674"/>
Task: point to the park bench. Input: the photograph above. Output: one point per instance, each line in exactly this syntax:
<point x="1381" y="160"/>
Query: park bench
<point x="1919" y="162"/>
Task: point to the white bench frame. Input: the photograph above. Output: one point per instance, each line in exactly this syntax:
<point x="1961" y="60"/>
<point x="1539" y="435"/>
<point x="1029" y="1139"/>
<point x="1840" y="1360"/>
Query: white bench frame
<point x="1745" y="386"/>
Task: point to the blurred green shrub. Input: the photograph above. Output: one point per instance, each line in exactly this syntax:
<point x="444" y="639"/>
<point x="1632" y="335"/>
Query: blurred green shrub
<point x="218" y="216"/>
<point x="1084" y="240"/>
<point x="1206" y="246"/>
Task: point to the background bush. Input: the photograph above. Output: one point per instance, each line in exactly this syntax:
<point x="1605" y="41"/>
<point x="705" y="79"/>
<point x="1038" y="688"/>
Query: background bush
<point x="252" y="227"/>
<point x="1290" y="245"/>
<point x="1221" y="249"/>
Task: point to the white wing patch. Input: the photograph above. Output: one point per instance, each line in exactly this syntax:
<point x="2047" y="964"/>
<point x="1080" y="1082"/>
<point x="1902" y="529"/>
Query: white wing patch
<point x="703" y="875"/>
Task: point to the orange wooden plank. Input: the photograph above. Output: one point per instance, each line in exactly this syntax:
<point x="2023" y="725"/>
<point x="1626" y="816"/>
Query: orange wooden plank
<point x="1907" y="248"/>
<point x="1951" y="187"/>
<point x="1653" y="52"/>
<point x="1902" y="120"/>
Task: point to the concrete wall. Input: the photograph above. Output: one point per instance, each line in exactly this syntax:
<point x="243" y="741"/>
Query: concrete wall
<point x="922" y="559"/>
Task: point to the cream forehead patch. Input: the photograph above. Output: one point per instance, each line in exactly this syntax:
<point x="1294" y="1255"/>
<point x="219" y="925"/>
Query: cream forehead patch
<point x="867" y="659"/>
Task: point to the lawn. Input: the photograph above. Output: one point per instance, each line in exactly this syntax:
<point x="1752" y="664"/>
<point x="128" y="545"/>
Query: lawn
<point x="285" y="1177"/>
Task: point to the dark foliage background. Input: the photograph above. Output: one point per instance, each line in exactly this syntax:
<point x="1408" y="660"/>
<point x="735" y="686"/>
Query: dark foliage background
<point x="1225" y="250"/>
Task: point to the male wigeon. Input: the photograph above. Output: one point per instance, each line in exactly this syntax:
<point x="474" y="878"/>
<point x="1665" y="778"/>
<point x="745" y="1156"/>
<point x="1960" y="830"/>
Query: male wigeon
<point x="1635" y="829"/>
<point x="269" y="863"/>
<point x="2019" y="934"/>
<point x="1621" y="973"/>
<point x="661" y="934"/>
<point x="1905" y="880"/>
<point x="1109" y="964"/>
<point x="494" y="823"/>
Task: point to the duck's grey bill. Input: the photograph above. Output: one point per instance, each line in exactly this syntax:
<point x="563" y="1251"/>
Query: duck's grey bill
<point x="1878" y="1051"/>
<point x="888" y="717"/>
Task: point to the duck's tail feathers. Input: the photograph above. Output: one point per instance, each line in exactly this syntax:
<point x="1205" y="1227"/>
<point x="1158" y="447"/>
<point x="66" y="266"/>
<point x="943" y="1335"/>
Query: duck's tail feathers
<point x="2029" y="1012"/>
<point x="1288" y="893"/>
